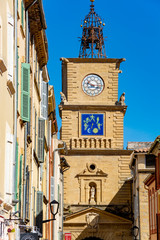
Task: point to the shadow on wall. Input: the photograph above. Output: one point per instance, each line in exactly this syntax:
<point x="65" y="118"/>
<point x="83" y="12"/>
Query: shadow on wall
<point x="121" y="204"/>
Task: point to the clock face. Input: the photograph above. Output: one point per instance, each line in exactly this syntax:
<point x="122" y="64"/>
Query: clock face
<point x="92" y="124"/>
<point x="92" y="85"/>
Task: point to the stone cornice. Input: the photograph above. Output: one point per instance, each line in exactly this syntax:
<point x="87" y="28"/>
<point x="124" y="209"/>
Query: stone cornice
<point x="79" y="107"/>
<point x="93" y="60"/>
<point x="111" y="152"/>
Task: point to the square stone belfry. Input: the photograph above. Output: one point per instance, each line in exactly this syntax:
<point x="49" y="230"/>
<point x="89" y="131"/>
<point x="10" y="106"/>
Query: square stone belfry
<point x="92" y="127"/>
<point x="97" y="187"/>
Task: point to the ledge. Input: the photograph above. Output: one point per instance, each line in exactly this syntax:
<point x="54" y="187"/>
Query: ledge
<point x="92" y="107"/>
<point x="111" y="152"/>
<point x="93" y="60"/>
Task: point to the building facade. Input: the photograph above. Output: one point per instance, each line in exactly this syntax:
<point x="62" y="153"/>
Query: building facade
<point x="97" y="189"/>
<point x="152" y="183"/>
<point x="142" y="164"/>
<point x="28" y="123"/>
<point x="7" y="96"/>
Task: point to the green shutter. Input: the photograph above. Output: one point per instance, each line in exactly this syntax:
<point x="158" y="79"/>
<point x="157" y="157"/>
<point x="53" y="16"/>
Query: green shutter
<point x="44" y="99"/>
<point x="39" y="212"/>
<point x="17" y="76"/>
<point x="16" y="177"/>
<point x="25" y="92"/>
<point x="20" y="183"/>
<point x="41" y="132"/>
<point x="22" y="13"/>
<point x="35" y="132"/>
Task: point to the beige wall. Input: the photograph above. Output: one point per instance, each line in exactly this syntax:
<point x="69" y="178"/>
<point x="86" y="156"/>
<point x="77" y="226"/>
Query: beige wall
<point x="6" y="103"/>
<point x="76" y="73"/>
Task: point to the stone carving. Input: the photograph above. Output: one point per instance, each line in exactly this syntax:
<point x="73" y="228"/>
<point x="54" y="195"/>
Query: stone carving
<point x="63" y="98"/>
<point x="97" y="172"/>
<point x="121" y="100"/>
<point x="92" y="219"/>
<point x="92" y="198"/>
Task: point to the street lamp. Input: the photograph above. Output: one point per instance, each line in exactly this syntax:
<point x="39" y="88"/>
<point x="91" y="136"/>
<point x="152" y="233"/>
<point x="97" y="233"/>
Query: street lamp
<point x="52" y="204"/>
<point x="135" y="231"/>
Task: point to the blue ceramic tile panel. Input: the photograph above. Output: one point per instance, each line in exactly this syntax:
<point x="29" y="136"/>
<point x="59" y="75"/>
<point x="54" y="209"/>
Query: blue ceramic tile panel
<point x="92" y="124"/>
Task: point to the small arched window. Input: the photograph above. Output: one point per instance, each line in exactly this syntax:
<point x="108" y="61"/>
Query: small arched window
<point x="92" y="192"/>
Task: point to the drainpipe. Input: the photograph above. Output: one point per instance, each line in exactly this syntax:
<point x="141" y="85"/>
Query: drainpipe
<point x="54" y="173"/>
<point x="15" y="100"/>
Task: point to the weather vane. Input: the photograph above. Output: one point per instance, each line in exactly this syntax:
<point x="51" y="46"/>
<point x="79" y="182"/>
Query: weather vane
<point x="92" y="41"/>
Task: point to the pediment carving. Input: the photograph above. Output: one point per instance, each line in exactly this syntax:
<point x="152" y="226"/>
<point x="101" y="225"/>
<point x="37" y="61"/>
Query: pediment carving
<point x="98" y="172"/>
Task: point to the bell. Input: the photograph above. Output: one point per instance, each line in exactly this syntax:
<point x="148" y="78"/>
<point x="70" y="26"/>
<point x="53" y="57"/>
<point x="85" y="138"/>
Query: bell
<point x="97" y="45"/>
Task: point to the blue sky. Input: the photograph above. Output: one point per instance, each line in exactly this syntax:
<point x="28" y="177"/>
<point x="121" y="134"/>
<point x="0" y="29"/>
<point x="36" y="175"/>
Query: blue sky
<point x="133" y="32"/>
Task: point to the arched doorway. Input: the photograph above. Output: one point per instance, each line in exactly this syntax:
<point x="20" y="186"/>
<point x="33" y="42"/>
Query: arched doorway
<point x="92" y="238"/>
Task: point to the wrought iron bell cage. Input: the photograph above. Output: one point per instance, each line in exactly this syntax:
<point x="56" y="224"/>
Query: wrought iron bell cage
<point x="92" y="41"/>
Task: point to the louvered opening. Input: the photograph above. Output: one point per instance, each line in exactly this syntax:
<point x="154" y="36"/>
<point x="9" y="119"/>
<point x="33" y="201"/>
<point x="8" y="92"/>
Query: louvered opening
<point x="25" y="92"/>
<point x="25" y="106"/>
<point x="41" y="132"/>
<point x="25" y="81"/>
<point x="39" y="213"/>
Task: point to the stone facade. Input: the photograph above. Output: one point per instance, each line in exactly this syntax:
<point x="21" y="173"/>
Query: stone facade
<point x="142" y="164"/>
<point x="99" y="166"/>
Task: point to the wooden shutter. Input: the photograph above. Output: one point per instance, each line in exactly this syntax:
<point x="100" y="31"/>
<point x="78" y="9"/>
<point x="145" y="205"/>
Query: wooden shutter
<point x="39" y="213"/>
<point x="25" y="92"/>
<point x="52" y="188"/>
<point x="44" y="99"/>
<point x="41" y="132"/>
<point x="158" y="172"/>
<point x="10" y="46"/>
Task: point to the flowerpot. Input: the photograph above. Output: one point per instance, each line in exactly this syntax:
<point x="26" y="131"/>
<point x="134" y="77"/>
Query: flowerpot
<point x="11" y="236"/>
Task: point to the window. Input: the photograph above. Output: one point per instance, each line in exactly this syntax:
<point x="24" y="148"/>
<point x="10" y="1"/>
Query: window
<point x="150" y="210"/>
<point x="39" y="213"/>
<point x="22" y="13"/>
<point x="150" y="161"/>
<point x="10" y="47"/>
<point x="41" y="132"/>
<point x="35" y="132"/>
<point x="44" y="99"/>
<point x="25" y="92"/>
<point x="158" y="172"/>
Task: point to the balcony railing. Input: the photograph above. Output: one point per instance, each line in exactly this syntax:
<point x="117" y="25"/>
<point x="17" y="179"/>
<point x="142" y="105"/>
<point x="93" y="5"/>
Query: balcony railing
<point x="91" y="143"/>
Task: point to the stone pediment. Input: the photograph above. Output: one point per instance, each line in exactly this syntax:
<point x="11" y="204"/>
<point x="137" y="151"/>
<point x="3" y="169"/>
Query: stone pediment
<point x="87" y="172"/>
<point x="93" y="216"/>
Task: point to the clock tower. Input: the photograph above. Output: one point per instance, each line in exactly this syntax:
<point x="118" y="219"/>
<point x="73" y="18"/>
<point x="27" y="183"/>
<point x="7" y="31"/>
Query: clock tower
<point x="97" y="188"/>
